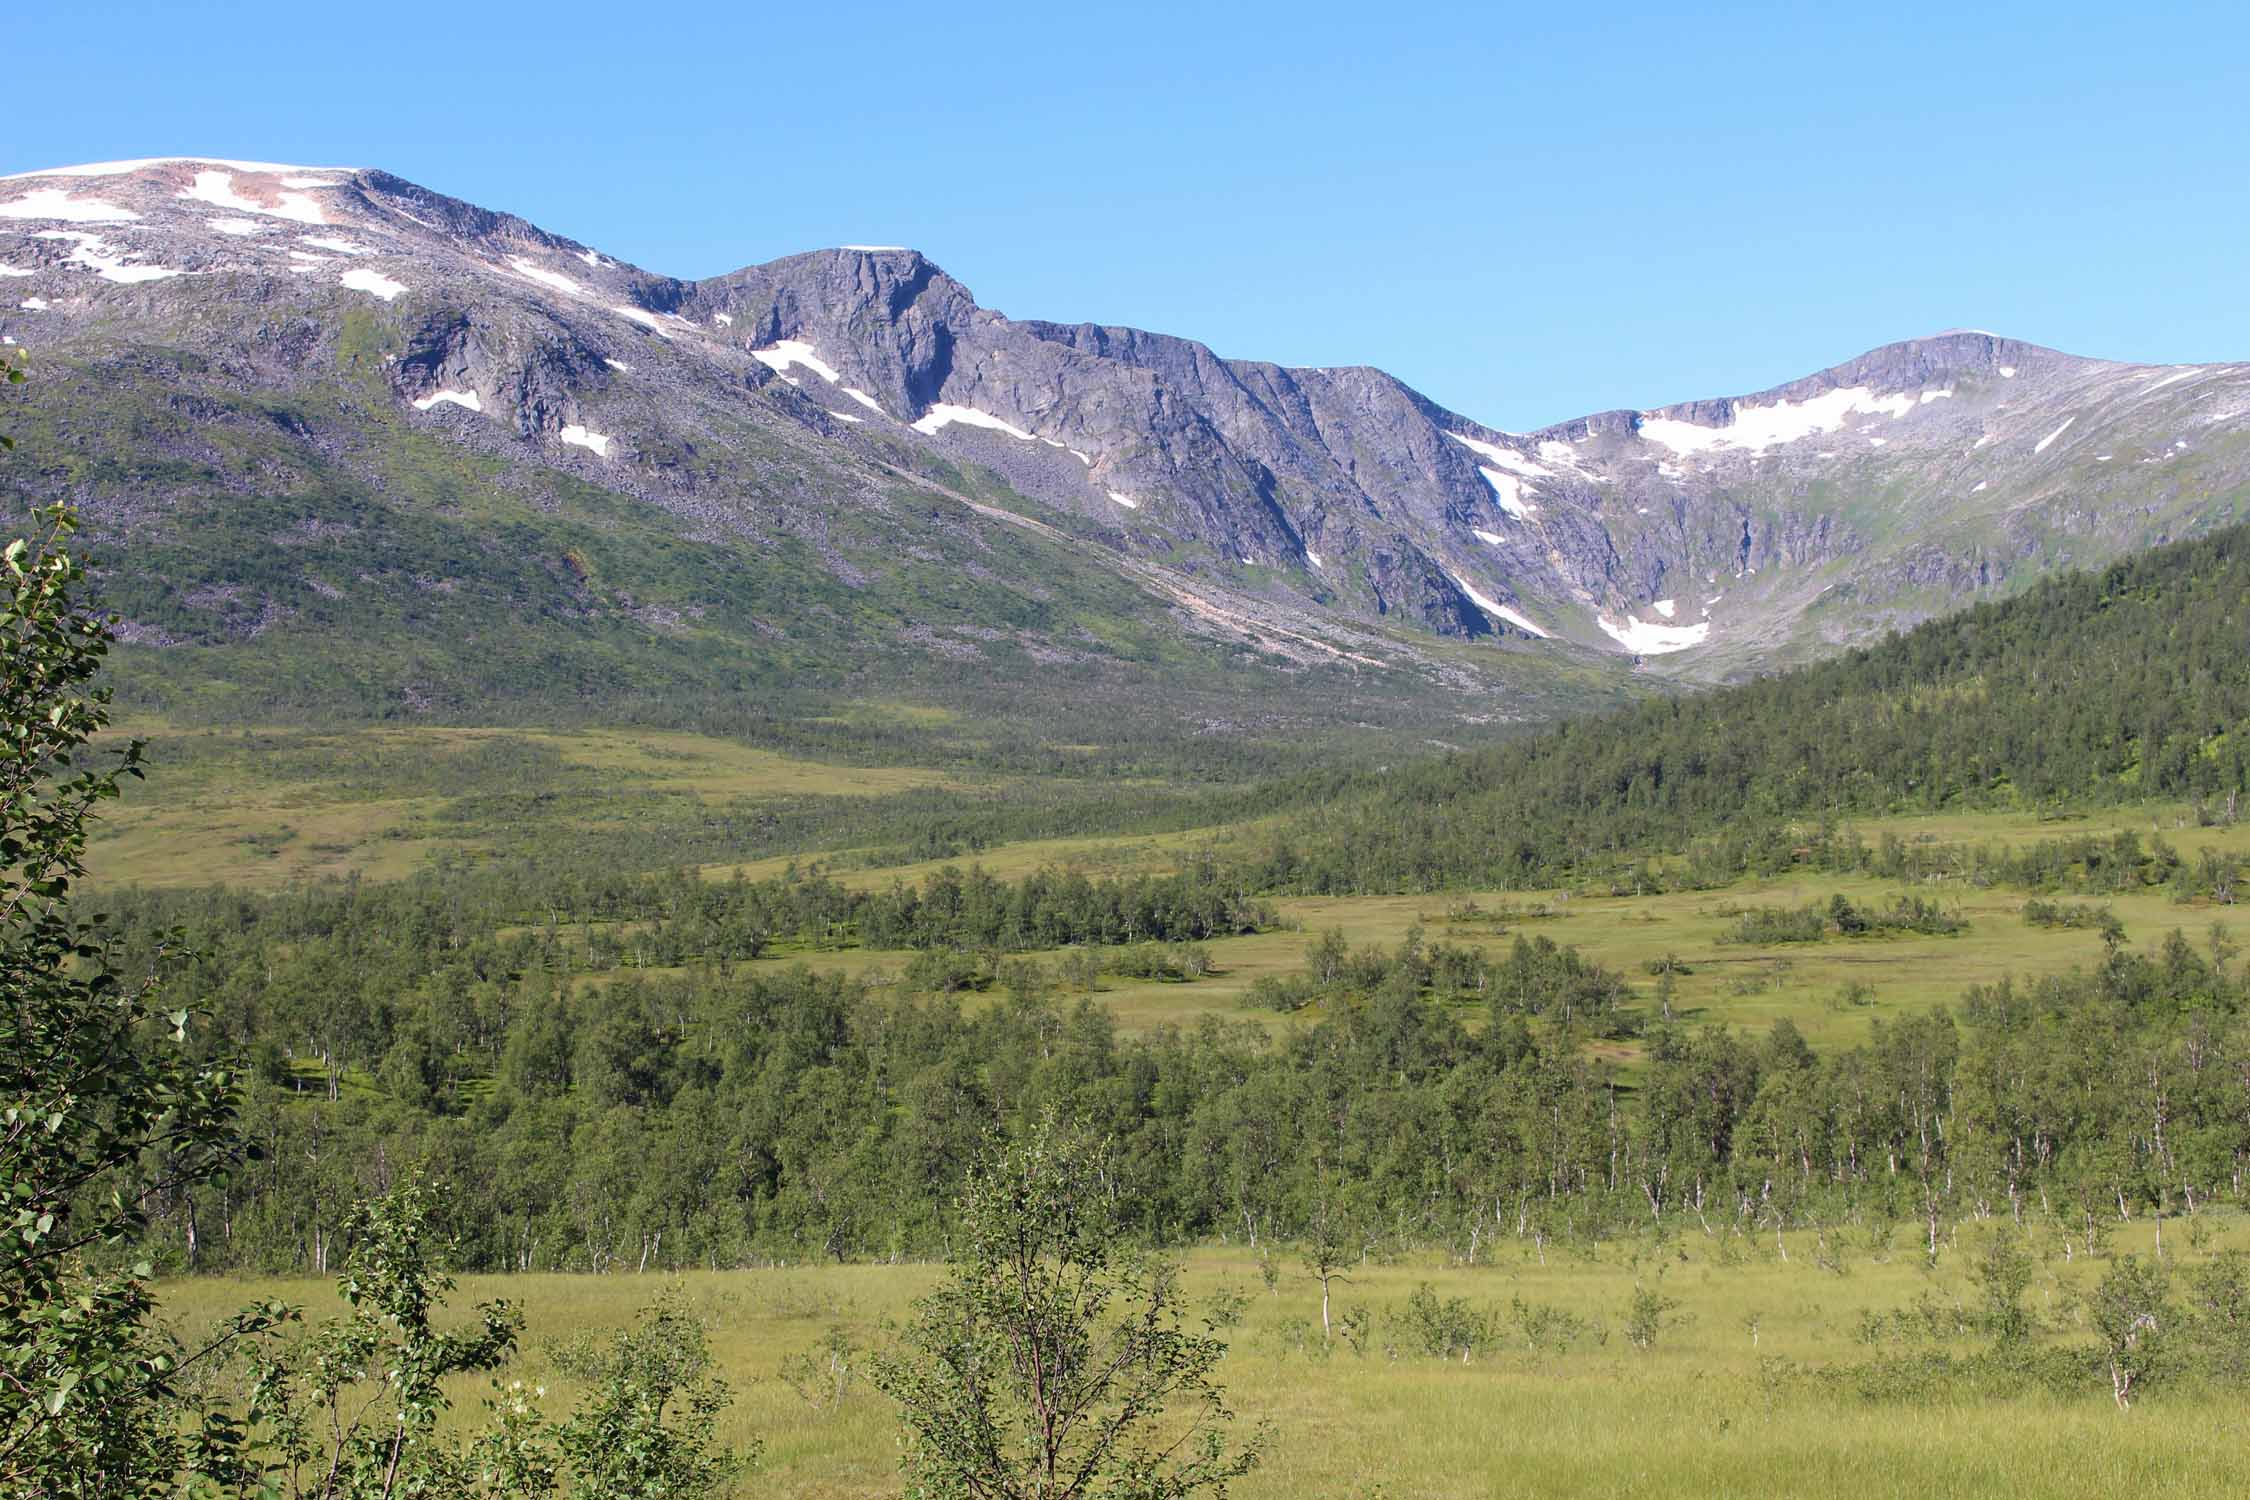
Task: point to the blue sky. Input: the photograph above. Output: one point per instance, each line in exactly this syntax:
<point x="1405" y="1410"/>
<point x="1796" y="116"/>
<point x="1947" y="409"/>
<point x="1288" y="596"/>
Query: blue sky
<point x="1527" y="212"/>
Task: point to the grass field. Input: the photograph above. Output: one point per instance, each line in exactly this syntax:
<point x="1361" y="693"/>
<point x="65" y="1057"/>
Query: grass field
<point x="264" y="808"/>
<point x="1700" y="1413"/>
<point x="1748" y="986"/>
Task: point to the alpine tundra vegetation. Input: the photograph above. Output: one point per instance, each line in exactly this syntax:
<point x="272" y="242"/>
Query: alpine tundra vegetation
<point x="629" y="886"/>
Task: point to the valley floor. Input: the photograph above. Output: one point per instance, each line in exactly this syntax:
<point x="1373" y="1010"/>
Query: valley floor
<point x="1721" y="1403"/>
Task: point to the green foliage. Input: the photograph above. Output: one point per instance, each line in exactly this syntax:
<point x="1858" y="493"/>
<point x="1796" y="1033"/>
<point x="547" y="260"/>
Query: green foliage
<point x="647" y="1430"/>
<point x="2003" y="1273"/>
<point x="2118" y="685"/>
<point x="1447" y="1326"/>
<point x="2131" y="1313"/>
<point x="1051" y="1363"/>
<point x="108" y="1106"/>
<point x="1646" y="1316"/>
<point x="352" y="1410"/>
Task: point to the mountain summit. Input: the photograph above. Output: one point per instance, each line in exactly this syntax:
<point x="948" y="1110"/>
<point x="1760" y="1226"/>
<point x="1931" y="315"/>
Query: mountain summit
<point x="281" y="337"/>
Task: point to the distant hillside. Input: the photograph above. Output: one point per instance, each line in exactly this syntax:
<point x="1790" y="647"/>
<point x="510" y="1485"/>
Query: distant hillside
<point x="356" y="450"/>
<point x="2125" y="683"/>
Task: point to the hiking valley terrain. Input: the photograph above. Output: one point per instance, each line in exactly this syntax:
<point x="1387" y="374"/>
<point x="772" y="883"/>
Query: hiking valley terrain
<point x="1694" y="950"/>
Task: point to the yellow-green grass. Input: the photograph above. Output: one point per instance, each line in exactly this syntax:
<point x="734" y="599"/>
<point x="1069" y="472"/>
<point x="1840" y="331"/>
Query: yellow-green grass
<point x="1806" y="982"/>
<point x="217" y="815"/>
<point x="1695" y="1415"/>
<point x="1095" y="856"/>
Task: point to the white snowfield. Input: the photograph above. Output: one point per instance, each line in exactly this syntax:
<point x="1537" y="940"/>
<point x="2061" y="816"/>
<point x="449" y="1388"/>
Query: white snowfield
<point x="374" y="283"/>
<point x="57" y="204"/>
<point x="2042" y="445"/>
<point x="1664" y="607"/>
<point x="796" y="352"/>
<point x="17" y="271"/>
<point x="33" y="304"/>
<point x="1505" y="458"/>
<point x="217" y="189"/>
<point x="545" y="277"/>
<point x="121" y="168"/>
<point x="1757" y="428"/>
<point x="1509" y="490"/>
<point x="1644" y="639"/>
<point x="945" y="414"/>
<point x="1494" y="607"/>
<point x="2174" y="378"/>
<point x="845" y="416"/>
<point x="865" y="400"/>
<point x="580" y="437"/>
<point x="645" y="318"/>
<point x="455" y="398"/>
<point x="1314" y="558"/>
<point x="98" y="258"/>
<point x="1492" y="537"/>
<point x="341" y="247"/>
<point x="239" y="228"/>
<point x="1125" y="500"/>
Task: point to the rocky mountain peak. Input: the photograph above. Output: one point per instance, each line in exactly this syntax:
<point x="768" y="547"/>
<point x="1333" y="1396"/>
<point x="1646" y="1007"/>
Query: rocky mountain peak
<point x="1723" y="534"/>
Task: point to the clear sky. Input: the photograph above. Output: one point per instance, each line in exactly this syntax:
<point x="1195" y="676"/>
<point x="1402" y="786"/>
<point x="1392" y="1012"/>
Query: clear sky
<point x="1528" y="212"/>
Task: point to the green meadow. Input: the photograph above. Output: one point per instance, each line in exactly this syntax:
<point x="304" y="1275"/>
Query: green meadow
<point x="1762" y="1379"/>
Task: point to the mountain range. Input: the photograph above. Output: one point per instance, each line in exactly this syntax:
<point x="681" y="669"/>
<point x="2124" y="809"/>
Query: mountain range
<point x="353" y="446"/>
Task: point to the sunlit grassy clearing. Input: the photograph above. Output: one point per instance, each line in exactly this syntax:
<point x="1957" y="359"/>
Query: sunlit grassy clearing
<point x="220" y="810"/>
<point x="1692" y="1416"/>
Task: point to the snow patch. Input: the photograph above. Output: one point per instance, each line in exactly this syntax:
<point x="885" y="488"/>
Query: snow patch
<point x="217" y="189"/>
<point x="645" y="318"/>
<point x="618" y="364"/>
<point x="1980" y="487"/>
<point x="1506" y="458"/>
<point x="239" y="228"/>
<point x="1644" y="639"/>
<point x="2102" y="458"/>
<point x="1757" y="428"/>
<point x="1494" y="607"/>
<point x="1663" y="607"/>
<point x="592" y="259"/>
<point x="374" y="283"/>
<point x="2007" y="372"/>
<point x="56" y="203"/>
<point x="579" y="437"/>
<point x="1314" y="558"/>
<point x="2173" y="379"/>
<point x="341" y="247"/>
<point x="98" y="258"/>
<point x="16" y="271"/>
<point x="120" y="168"/>
<point x="33" y="304"/>
<point x="2041" y="445"/>
<point x="724" y="320"/>
<point x="845" y="416"/>
<point x="1510" y="491"/>
<point x="795" y="352"/>
<point x="1125" y="500"/>
<point x="1490" y="538"/>
<point x="944" y="414"/>
<point x="456" y="398"/>
<point x="545" y="277"/>
<point x="1929" y="396"/>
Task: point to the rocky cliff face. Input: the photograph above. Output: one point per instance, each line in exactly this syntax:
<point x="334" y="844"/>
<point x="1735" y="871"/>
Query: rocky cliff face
<point x="267" y="329"/>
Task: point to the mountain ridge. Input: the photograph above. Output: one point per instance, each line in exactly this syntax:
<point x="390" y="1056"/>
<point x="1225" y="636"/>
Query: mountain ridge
<point x="1704" y="539"/>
